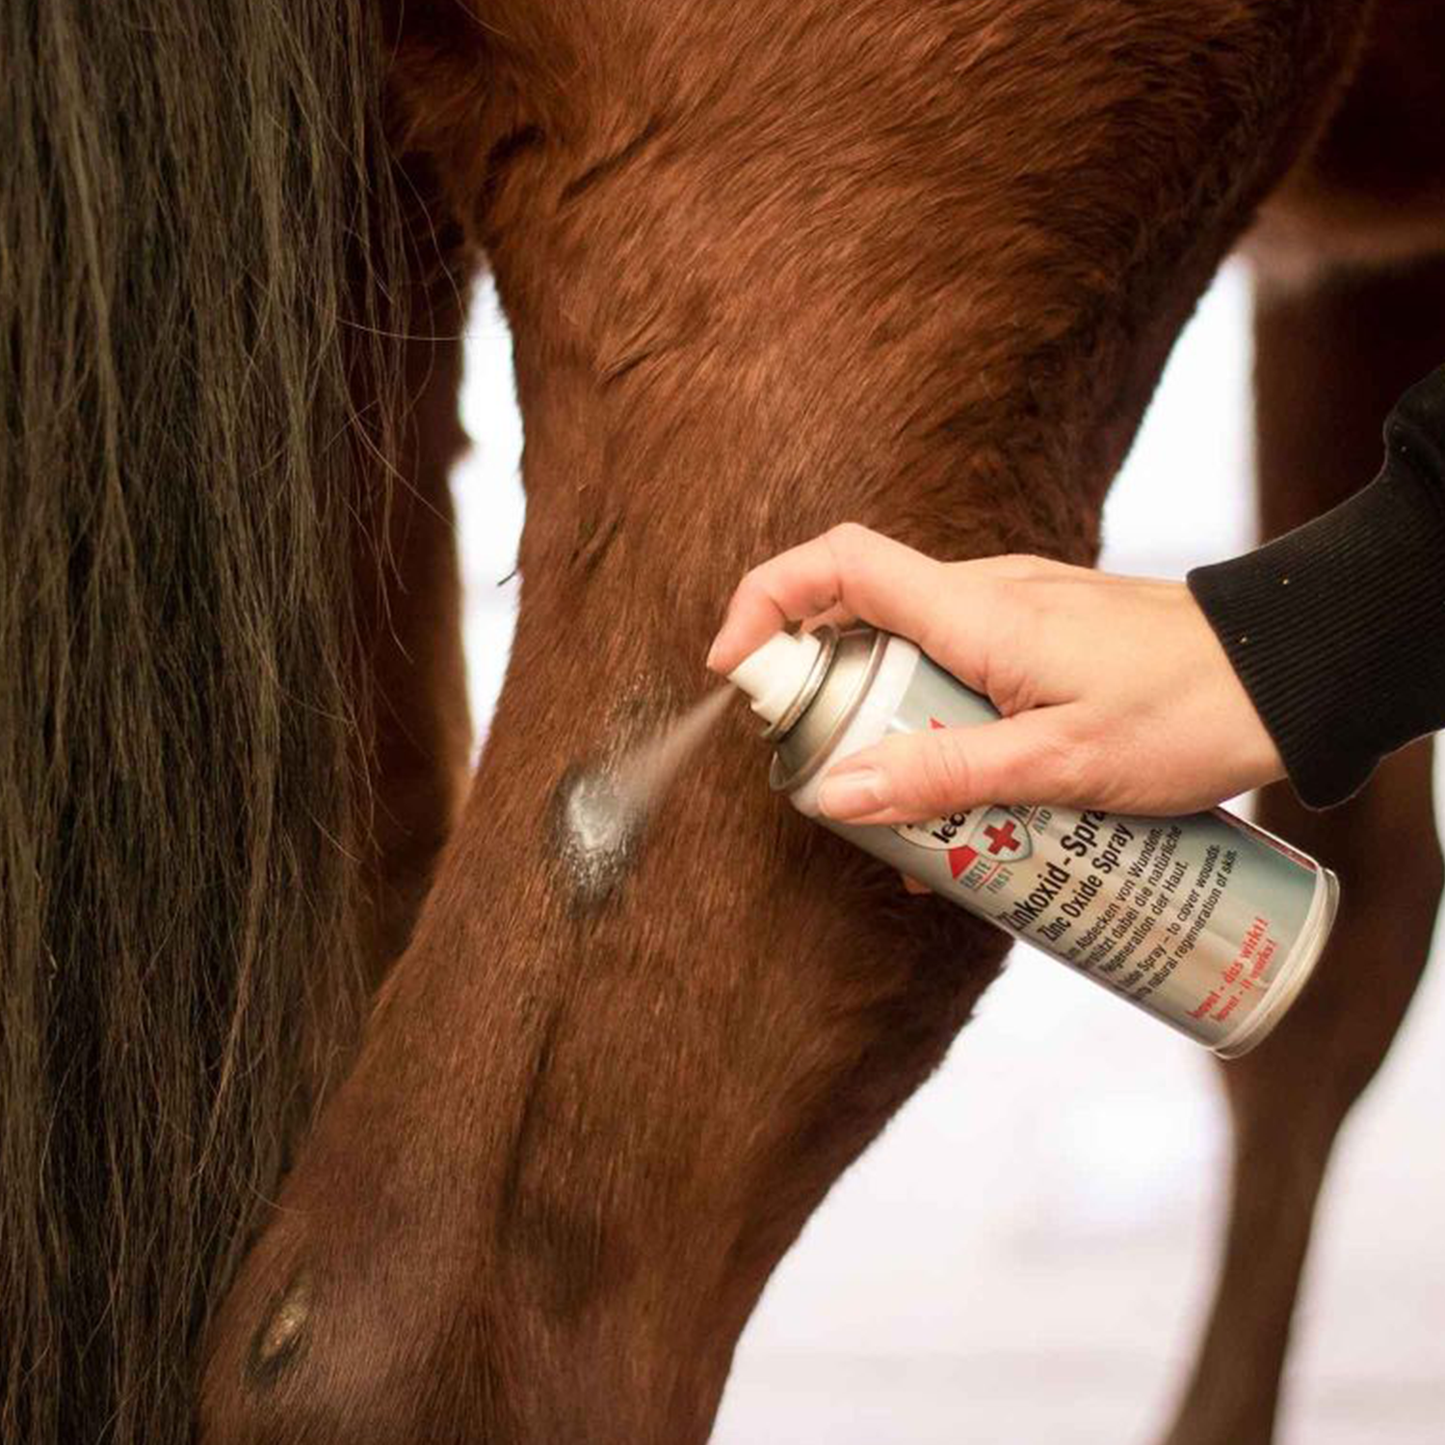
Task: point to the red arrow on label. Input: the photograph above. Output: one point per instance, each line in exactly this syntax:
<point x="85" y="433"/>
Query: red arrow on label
<point x="960" y="860"/>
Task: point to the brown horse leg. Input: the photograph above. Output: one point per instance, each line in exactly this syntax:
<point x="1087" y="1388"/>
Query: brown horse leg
<point x="769" y="266"/>
<point x="1331" y="361"/>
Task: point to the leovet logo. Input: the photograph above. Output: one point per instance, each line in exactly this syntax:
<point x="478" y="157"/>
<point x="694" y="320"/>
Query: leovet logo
<point x="944" y="832"/>
<point x="996" y="837"/>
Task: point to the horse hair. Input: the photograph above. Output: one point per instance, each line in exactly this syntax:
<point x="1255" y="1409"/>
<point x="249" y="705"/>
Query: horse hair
<point x="198" y="225"/>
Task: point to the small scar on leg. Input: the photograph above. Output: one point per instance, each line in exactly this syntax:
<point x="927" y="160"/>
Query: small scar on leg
<point x="281" y="1336"/>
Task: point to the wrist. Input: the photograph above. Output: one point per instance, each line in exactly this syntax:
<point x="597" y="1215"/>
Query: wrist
<point x="1324" y="630"/>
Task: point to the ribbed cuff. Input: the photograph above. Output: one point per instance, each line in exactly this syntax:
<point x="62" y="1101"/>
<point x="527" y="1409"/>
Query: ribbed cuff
<point x="1337" y="629"/>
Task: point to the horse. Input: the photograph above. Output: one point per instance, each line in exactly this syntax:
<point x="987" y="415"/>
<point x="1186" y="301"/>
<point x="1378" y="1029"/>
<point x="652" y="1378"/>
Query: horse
<point x="351" y="1096"/>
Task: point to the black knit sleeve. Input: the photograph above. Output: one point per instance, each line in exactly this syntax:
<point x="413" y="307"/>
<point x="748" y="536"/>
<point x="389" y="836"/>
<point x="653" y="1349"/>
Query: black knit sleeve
<point x="1337" y="629"/>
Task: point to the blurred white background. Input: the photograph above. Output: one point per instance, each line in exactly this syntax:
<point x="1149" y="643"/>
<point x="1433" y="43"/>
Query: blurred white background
<point x="1023" y="1257"/>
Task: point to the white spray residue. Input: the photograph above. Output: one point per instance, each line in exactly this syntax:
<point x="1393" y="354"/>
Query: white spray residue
<point x="609" y="805"/>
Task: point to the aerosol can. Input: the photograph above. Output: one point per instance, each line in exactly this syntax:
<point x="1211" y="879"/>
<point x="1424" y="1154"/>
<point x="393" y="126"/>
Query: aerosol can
<point x="1205" y="922"/>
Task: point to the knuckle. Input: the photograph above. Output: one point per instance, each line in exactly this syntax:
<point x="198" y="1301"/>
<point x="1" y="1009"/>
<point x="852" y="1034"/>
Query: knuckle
<point x="1025" y="566"/>
<point x="848" y="536"/>
<point x="751" y="582"/>
<point x="849" y="544"/>
<point x="945" y="772"/>
<point x="1015" y="566"/>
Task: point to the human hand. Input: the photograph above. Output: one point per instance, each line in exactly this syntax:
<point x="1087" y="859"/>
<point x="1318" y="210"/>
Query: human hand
<point x="1115" y="692"/>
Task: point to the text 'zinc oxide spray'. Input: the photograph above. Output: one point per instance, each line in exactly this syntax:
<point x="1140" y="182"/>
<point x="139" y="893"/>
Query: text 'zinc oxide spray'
<point x="1206" y="922"/>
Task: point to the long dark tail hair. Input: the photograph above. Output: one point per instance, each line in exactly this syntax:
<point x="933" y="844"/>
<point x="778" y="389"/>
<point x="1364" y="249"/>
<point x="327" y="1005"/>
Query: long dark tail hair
<point x="199" y="235"/>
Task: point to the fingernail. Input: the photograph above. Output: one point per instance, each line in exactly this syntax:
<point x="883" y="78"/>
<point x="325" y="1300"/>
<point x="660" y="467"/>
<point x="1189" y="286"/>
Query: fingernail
<point x="712" y="653"/>
<point x="850" y="793"/>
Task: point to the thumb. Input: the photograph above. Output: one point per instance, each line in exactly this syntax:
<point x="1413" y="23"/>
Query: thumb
<point x="908" y="777"/>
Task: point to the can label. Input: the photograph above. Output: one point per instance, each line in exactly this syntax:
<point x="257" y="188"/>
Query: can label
<point x="1191" y="918"/>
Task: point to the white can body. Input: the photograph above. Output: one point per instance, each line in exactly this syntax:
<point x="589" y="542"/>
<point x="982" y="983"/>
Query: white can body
<point x="1206" y="922"/>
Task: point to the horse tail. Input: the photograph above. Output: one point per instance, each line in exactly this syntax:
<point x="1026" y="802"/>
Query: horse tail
<point x="199" y="227"/>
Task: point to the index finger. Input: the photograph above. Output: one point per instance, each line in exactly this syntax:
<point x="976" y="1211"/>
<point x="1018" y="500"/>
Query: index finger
<point x="878" y="580"/>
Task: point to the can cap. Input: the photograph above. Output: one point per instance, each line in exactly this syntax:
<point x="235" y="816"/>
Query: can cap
<point x="778" y="672"/>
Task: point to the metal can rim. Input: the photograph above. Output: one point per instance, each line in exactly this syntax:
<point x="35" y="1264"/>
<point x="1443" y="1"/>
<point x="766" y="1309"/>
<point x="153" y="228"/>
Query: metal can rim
<point x="827" y="648"/>
<point x="783" y="781"/>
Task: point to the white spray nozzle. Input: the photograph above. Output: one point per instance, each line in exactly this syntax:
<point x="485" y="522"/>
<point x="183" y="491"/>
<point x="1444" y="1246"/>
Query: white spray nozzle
<point x="777" y="672"/>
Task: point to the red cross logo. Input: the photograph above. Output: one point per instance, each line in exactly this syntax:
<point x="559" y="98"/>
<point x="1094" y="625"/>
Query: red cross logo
<point x="1002" y="839"/>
